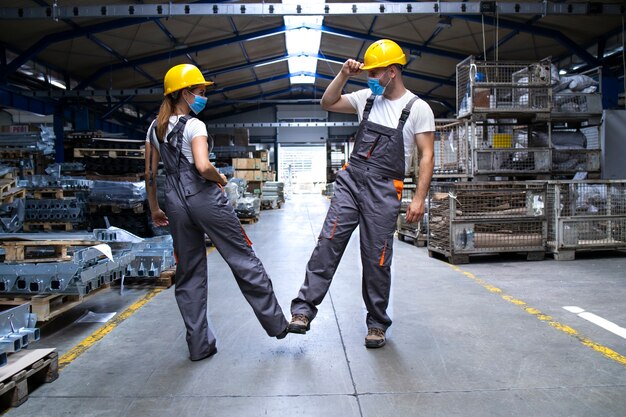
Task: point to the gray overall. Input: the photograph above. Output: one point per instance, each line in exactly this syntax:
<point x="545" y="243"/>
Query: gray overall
<point x="368" y="193"/>
<point x="195" y="206"/>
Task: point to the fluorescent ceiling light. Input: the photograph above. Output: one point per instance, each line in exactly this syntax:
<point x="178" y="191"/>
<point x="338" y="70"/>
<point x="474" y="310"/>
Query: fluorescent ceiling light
<point x="302" y="42"/>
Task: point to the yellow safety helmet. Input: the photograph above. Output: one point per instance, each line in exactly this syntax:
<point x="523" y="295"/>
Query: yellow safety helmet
<point x="182" y="76"/>
<point x="383" y="53"/>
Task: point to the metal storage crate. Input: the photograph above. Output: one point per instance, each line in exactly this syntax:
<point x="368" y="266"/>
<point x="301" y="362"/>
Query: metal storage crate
<point x="452" y="149"/>
<point x="485" y="218"/>
<point x="503" y="88"/>
<point x="509" y="148"/>
<point x="576" y="150"/>
<point x="568" y="104"/>
<point x="585" y="215"/>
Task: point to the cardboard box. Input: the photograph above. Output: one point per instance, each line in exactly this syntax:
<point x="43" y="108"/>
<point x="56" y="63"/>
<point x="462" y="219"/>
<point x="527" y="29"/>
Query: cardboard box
<point x="247" y="163"/>
<point x="481" y="97"/>
<point x="265" y="166"/>
<point x="262" y="154"/>
<point x="269" y="176"/>
<point x="249" y="175"/>
<point x="242" y="137"/>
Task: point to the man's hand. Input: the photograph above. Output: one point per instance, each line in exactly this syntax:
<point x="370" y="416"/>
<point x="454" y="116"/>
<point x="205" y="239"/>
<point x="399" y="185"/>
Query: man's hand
<point x="159" y="218"/>
<point x="415" y="211"/>
<point x="224" y="180"/>
<point x="351" y="68"/>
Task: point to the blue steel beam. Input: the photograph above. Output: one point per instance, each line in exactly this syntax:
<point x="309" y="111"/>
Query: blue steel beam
<point x="257" y="35"/>
<point x="118" y="105"/>
<point x="410" y="46"/>
<point x="535" y="30"/>
<point x="11" y="97"/>
<point x="80" y="32"/>
<point x="175" y="53"/>
<point x="310" y="74"/>
<point x="46" y="41"/>
<point x="98" y="42"/>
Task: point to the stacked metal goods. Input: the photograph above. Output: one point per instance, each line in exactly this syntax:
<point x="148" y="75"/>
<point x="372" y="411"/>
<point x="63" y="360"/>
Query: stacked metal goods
<point x="17" y="330"/>
<point x="516" y="121"/>
<point x="585" y="215"/>
<point x="471" y="218"/>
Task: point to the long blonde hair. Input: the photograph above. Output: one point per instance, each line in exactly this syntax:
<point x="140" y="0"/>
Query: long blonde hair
<point x="168" y="108"/>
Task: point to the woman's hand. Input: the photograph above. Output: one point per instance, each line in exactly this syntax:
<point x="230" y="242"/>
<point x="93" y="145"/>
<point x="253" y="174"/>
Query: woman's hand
<point x="224" y="179"/>
<point x="159" y="218"/>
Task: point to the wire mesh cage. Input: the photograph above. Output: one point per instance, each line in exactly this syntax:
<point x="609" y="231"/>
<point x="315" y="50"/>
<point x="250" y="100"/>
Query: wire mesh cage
<point x="503" y="87"/>
<point x="575" y="150"/>
<point x="475" y="217"/>
<point x="452" y="154"/>
<point x="586" y="215"/>
<point x="510" y="148"/>
<point x="578" y="96"/>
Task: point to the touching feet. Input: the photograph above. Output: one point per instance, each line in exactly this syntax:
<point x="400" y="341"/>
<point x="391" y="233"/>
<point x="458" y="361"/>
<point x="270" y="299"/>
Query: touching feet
<point x="299" y="324"/>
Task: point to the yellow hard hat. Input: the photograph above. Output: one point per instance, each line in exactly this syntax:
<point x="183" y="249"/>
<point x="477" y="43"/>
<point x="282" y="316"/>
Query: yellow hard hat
<point x="383" y="53"/>
<point x="182" y="76"/>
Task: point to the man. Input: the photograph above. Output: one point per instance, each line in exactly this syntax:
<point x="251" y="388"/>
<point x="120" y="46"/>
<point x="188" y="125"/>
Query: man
<point x="368" y="191"/>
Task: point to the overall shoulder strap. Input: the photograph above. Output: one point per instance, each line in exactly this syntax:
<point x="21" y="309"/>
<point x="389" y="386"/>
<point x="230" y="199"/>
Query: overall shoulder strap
<point x="368" y="106"/>
<point x="178" y="129"/>
<point x="405" y="112"/>
<point x="152" y="133"/>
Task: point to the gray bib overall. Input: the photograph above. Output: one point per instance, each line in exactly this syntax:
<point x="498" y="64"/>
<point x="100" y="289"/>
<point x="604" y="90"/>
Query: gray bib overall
<point x="196" y="206"/>
<point x="368" y="193"/>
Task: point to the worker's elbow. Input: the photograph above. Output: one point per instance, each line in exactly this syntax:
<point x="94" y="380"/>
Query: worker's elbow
<point x="203" y="168"/>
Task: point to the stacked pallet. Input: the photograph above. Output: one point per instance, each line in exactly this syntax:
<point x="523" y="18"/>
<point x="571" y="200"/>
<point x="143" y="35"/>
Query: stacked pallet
<point x="107" y="154"/>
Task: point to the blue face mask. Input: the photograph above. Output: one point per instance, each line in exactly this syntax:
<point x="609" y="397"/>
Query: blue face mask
<point x="374" y="85"/>
<point x="198" y="104"/>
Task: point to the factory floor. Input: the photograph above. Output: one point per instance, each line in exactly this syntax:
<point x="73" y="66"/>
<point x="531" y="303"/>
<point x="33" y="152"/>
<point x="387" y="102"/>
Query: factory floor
<point x="490" y="338"/>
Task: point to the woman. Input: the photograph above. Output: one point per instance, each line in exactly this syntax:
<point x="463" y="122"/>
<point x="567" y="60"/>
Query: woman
<point x="197" y="205"/>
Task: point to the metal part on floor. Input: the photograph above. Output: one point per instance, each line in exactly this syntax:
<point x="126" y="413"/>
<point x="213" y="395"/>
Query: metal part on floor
<point x="17" y="330"/>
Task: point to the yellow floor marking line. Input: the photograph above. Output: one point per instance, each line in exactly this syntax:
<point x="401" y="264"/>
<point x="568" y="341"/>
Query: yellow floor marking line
<point x="607" y="352"/>
<point x="88" y="342"/>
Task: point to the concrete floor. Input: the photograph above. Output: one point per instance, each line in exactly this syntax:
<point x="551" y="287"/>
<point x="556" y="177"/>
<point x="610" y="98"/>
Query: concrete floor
<point x="455" y="349"/>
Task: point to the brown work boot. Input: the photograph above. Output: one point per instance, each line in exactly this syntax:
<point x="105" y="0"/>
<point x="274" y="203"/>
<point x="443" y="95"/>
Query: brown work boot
<point x="299" y="324"/>
<point x="375" y="338"/>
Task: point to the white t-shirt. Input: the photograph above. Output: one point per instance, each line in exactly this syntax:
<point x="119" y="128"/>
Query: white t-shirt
<point x="387" y="113"/>
<point x="193" y="128"/>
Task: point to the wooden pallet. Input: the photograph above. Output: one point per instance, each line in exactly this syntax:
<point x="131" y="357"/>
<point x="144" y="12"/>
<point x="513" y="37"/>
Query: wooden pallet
<point x="165" y="280"/>
<point x="458" y="259"/>
<point x="137" y="208"/>
<point x="26" y="370"/>
<point x="47" y="226"/>
<point x="7" y="184"/>
<point x="49" y="306"/>
<point x="21" y="250"/>
<point x="120" y="178"/>
<point x="10" y="195"/>
<point x="109" y="153"/>
<point x="55" y="193"/>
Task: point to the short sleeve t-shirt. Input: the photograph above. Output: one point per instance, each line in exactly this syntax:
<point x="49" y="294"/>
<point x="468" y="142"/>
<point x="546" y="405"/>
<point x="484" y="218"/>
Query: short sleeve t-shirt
<point x="194" y="127"/>
<point x="387" y="113"/>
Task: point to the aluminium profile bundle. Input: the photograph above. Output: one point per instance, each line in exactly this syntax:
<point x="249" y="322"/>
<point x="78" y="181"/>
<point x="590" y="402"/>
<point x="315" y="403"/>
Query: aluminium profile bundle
<point x="88" y="270"/>
<point x="151" y="256"/>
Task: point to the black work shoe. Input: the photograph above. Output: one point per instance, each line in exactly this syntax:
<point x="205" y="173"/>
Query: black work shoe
<point x="375" y="338"/>
<point x="283" y="334"/>
<point x="299" y="324"/>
